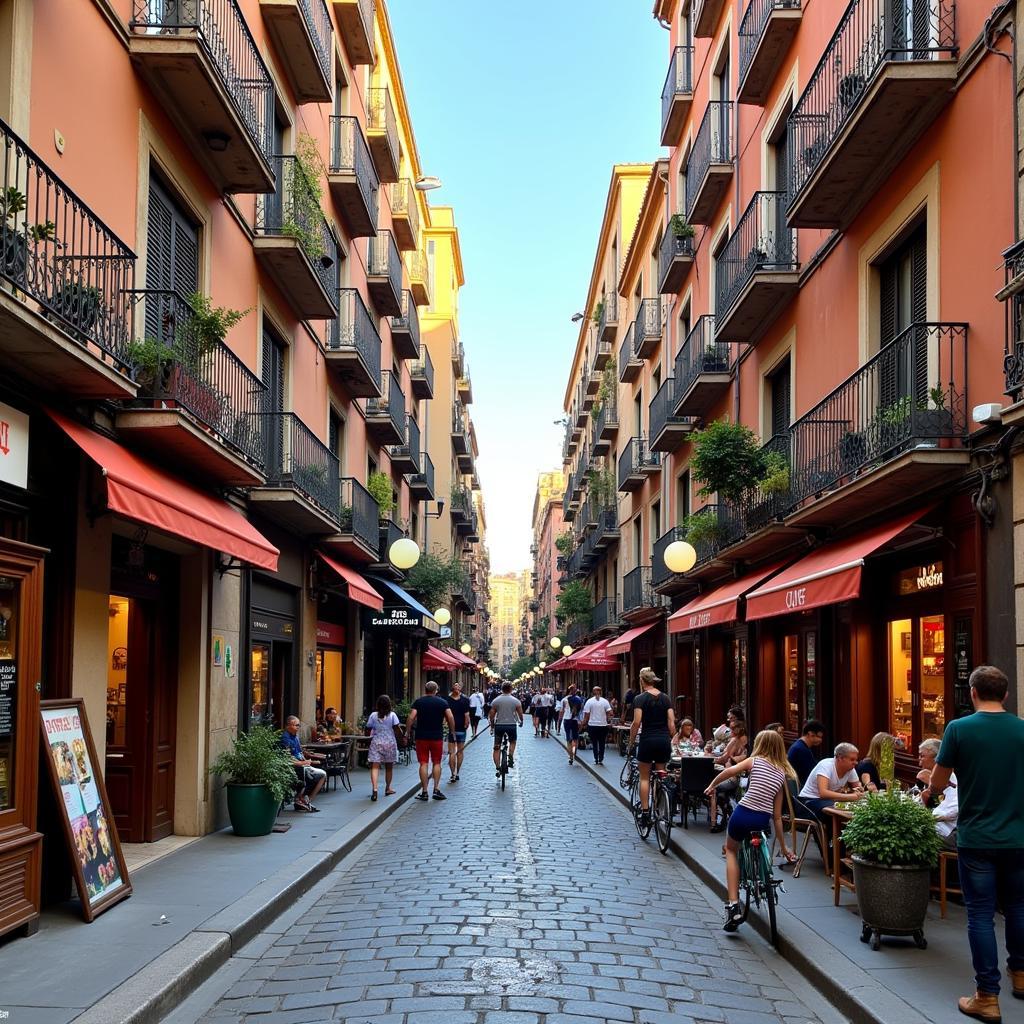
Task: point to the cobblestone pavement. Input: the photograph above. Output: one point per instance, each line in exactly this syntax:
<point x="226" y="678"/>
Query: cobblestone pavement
<point x="538" y="905"/>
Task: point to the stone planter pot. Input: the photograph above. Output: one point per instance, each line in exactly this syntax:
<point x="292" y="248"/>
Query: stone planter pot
<point x="251" y="808"/>
<point x="892" y="900"/>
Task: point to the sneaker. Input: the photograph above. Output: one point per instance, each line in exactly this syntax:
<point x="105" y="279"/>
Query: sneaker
<point x="497" y="773"/>
<point x="733" y="917"/>
<point x="717" y="827"/>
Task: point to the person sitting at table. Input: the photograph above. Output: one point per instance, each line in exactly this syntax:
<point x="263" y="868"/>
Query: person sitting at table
<point x="776" y="727"/>
<point x="946" y="812"/>
<point x="867" y="769"/>
<point x="723" y="733"/>
<point x="313" y="778"/>
<point x="834" y="780"/>
<point x="329" y="729"/>
<point x="803" y="755"/>
<point x="926" y="755"/>
<point x="735" y="751"/>
<point x="688" y="736"/>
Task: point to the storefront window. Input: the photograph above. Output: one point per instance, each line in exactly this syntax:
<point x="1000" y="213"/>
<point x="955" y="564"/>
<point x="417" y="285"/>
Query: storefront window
<point x="810" y="675"/>
<point x="8" y="687"/>
<point x="917" y="679"/>
<point x="791" y="654"/>
<point x="117" y="672"/>
<point x="933" y="677"/>
<point x="260" y="711"/>
<point x="328" y="682"/>
<point x="901" y="655"/>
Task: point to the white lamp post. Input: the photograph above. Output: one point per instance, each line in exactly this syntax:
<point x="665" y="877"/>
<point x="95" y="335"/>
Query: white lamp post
<point x="404" y="553"/>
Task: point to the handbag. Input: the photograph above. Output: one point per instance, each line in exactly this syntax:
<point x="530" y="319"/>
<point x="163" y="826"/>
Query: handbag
<point x="399" y="737"/>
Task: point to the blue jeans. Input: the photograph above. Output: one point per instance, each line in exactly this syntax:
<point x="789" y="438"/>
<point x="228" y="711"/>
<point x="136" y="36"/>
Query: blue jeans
<point x="817" y="807"/>
<point x="991" y="878"/>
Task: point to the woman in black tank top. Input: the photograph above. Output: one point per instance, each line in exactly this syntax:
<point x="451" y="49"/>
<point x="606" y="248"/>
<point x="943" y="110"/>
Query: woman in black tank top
<point x="653" y="714"/>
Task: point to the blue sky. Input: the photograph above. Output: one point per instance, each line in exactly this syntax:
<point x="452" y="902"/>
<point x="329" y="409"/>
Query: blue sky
<point x="521" y="110"/>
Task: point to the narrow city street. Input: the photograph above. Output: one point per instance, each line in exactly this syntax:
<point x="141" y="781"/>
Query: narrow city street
<point x="537" y="904"/>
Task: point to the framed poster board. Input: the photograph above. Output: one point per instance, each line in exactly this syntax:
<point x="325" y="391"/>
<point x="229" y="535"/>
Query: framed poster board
<point x="98" y="863"/>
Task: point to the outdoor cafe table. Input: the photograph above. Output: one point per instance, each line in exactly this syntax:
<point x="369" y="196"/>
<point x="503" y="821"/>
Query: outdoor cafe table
<point x="840" y="819"/>
<point x="621" y="737"/>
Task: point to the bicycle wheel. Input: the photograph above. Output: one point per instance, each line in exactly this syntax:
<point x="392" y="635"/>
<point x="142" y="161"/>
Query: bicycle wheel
<point x="643" y="826"/>
<point x="663" y="817"/>
<point x="748" y="879"/>
<point x="771" y="894"/>
<point x="504" y="765"/>
<point x="626" y="775"/>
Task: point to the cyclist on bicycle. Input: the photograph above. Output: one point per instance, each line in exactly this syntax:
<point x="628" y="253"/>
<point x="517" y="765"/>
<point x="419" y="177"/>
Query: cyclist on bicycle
<point x="769" y="769"/>
<point x="506" y="714"/>
<point x="653" y="711"/>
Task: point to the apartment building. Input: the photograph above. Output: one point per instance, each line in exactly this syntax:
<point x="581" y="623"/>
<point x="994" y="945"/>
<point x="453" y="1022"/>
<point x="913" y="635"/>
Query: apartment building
<point x="213" y="420"/>
<point x="811" y="261"/>
<point x="547" y="528"/>
<point x="506" y="616"/>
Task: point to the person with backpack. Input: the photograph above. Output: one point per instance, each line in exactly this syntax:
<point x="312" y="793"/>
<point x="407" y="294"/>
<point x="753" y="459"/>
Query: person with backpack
<point x="654" y="719"/>
<point x="569" y="718"/>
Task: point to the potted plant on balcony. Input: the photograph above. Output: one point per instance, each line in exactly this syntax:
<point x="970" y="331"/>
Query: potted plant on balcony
<point x="598" y="312"/>
<point x="574" y="603"/>
<point x="894" y="846"/>
<point x="564" y="543"/>
<point x="726" y="460"/>
<point x="260" y="776"/>
<point x="680" y="227"/>
<point x="932" y="419"/>
<point x="14" y="239"/>
<point x="775" y="481"/>
<point x="79" y="304"/>
<point x="379" y="486"/>
<point x="302" y="214"/>
<point x="853" y="451"/>
<point x="703" y="528"/>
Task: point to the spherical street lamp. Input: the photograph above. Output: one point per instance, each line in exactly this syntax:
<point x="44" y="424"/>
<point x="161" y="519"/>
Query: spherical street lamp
<point x="680" y="556"/>
<point x="567" y="650"/>
<point x="443" y="616"/>
<point x="543" y="665"/>
<point x="465" y="648"/>
<point x="555" y="642"/>
<point x="404" y="553"/>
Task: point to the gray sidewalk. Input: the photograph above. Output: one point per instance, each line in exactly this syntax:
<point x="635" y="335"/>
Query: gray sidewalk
<point x="214" y="894"/>
<point x="897" y="983"/>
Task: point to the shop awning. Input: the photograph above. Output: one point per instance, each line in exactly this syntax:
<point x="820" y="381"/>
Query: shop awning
<point x="558" y="665"/>
<point x="138" y="490"/>
<point x="718" y="605"/>
<point x="394" y="594"/>
<point x="358" y="589"/>
<point x="464" y="660"/>
<point x="595" y="658"/>
<point x="826" y="576"/>
<point x="621" y="644"/>
<point x="438" y="660"/>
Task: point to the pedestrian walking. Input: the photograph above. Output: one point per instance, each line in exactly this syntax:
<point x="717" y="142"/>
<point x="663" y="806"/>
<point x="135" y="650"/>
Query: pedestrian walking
<point x="476" y="709"/>
<point x="572" y="708"/>
<point x="533" y="703"/>
<point x="986" y="750"/>
<point x="652" y="712"/>
<point x="429" y="714"/>
<point x="383" y="728"/>
<point x="460" y="708"/>
<point x="506" y="717"/>
<point x="595" y="721"/>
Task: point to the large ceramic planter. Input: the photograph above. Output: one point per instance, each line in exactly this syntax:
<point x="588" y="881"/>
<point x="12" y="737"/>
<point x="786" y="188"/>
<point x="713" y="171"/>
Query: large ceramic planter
<point x="891" y="900"/>
<point x="251" y="808"/>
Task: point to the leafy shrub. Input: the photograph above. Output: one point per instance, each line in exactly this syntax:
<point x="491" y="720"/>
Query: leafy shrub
<point x="564" y="543"/>
<point x="726" y="460"/>
<point x="435" y="577"/>
<point x="379" y="486"/>
<point x="702" y="527"/>
<point x="574" y="603"/>
<point x="890" y="829"/>
<point x="257" y="758"/>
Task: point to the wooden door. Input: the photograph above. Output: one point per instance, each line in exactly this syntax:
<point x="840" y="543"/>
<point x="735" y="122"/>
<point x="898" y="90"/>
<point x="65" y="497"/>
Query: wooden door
<point x="161" y="722"/>
<point x="126" y="717"/>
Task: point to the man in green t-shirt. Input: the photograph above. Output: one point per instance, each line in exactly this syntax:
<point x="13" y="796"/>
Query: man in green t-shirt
<point x="986" y="750"/>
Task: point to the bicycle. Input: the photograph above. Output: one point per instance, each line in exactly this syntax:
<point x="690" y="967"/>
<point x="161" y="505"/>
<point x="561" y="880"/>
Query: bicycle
<point x="630" y="772"/>
<point x="503" y="759"/>
<point x="757" y="878"/>
<point x="661" y="801"/>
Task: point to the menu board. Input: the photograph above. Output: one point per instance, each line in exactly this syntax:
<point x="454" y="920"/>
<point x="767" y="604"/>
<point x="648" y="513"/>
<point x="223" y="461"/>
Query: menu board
<point x="100" y="871"/>
<point x="8" y="680"/>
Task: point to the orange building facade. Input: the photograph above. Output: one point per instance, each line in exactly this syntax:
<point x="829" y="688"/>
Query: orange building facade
<point x="817" y="259"/>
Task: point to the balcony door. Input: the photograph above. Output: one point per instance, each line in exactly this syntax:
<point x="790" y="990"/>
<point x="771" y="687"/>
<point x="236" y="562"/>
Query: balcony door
<point x="777" y="217"/>
<point x="172" y="260"/>
<point x="273" y="377"/>
<point x="903" y="280"/>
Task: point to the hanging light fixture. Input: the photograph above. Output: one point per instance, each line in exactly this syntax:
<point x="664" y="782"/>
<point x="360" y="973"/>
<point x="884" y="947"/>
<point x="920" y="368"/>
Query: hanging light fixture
<point x="543" y="665"/>
<point x="465" y="648"/>
<point x="404" y="553"/>
<point x="567" y="650"/>
<point x="443" y="616"/>
<point x="680" y="556"/>
<point x="555" y="642"/>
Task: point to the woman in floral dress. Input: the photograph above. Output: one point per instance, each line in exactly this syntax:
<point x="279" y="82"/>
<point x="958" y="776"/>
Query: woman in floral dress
<point x="380" y="727"/>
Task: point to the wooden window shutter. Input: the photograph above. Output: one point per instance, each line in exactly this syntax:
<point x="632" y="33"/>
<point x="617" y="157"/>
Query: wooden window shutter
<point x="919" y="312"/>
<point x="781" y="389"/>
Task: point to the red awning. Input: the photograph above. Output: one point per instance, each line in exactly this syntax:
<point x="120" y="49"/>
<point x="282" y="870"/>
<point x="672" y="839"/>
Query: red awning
<point x="719" y="605"/>
<point x="358" y="589"/>
<point x="140" y="491"/>
<point x="621" y="644"/>
<point x="438" y="660"/>
<point x="595" y="658"/>
<point x="558" y="666"/>
<point x="826" y="576"/>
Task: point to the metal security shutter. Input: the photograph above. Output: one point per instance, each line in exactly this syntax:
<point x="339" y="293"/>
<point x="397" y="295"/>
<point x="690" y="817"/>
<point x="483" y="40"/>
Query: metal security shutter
<point x="172" y="257"/>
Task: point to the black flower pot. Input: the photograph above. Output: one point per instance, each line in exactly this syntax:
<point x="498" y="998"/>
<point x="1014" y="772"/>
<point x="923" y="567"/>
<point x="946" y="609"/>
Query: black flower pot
<point x="892" y="899"/>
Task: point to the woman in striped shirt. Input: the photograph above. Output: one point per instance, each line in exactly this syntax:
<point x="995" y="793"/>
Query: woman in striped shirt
<point x="762" y="803"/>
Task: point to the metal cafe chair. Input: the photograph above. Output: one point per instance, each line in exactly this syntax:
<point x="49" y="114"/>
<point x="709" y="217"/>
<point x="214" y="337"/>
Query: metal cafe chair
<point x="695" y="775"/>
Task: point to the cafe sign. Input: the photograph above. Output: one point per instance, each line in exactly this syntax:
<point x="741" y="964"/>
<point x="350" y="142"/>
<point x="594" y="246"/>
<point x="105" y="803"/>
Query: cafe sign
<point x="13" y="446"/>
<point x="400" y="617"/>
<point x="919" y="579"/>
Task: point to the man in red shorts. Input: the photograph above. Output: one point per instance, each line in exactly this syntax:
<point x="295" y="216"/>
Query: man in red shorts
<point x="429" y="714"/>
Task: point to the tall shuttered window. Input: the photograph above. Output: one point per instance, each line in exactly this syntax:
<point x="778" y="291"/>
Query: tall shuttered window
<point x="172" y="256"/>
<point x="780" y="390"/>
<point x="273" y="377"/>
<point x="903" y="301"/>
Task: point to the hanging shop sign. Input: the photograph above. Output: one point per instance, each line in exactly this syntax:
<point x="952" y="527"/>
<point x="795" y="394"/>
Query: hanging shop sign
<point x="395" y="617"/>
<point x="13" y="446"/>
<point x="330" y="634"/>
<point x="98" y="863"/>
<point x="920" y="579"/>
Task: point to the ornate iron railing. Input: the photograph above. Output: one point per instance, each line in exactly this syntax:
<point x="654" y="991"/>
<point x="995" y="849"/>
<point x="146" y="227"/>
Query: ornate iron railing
<point x="636" y="457"/>
<point x="869" y="34"/>
<point x="293" y="210"/>
<point x="403" y="204"/>
<point x="764" y="504"/>
<point x="411" y="446"/>
<point x="351" y="155"/>
<point x="627" y="353"/>
<point x="57" y="253"/>
<point x="423" y="368"/>
<point x="391" y="402"/>
<point x="418" y="268"/>
<point x="700" y="353"/>
<point x="661" y="413"/>
<point x="353" y="328"/>
<point x="424" y="476"/>
<point x="383" y="260"/>
<point x="762" y="241"/>
<point x="359" y="513"/>
<point x="673" y="247"/>
<point x="638" y="589"/>
<point x="678" y="80"/>
<point x="648" y="324"/>
<point x="609" y="312"/>
<point x="222" y="31"/>
<point x="708" y="545"/>
<point x="605" y="613"/>
<point x="318" y="21"/>
<point x="366" y="12"/>
<point x="912" y="393"/>
<point x="388" y="532"/>
<point x="711" y="145"/>
<point x="752" y="27"/>
<point x="297" y="458"/>
<point x="202" y="376"/>
<point x="1013" y="357"/>
<point x="380" y="116"/>
<point x="409" y="320"/>
<point x="660" y="572"/>
<point x="608" y="414"/>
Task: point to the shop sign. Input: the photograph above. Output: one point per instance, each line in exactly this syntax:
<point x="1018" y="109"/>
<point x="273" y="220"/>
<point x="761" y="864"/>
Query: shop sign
<point x="395" y="618"/>
<point x="796" y="598"/>
<point x="920" y="579"/>
<point x="8" y="692"/>
<point x="272" y="625"/>
<point x="13" y="446"/>
<point x="700" y="619"/>
<point x="330" y="633"/>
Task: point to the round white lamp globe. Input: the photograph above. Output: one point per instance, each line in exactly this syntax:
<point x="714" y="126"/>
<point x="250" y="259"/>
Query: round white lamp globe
<point x="443" y="616"/>
<point x="556" y="642"/>
<point x="680" y="556"/>
<point x="404" y="553"/>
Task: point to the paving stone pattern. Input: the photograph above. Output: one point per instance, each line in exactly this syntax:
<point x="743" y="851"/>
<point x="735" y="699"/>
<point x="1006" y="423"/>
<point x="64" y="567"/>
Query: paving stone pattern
<point x="538" y="905"/>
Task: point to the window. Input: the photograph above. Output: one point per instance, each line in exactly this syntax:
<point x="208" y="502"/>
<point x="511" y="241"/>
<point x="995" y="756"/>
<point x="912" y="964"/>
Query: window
<point x="336" y="438"/>
<point x="638" y="413"/>
<point x="638" y="547"/>
<point x="655" y="521"/>
<point x="779" y="398"/>
<point x="682" y="497"/>
<point x="274" y="355"/>
<point x="684" y="326"/>
<point x="800" y="672"/>
<point x="431" y="262"/>
<point x="903" y="301"/>
<point x="172" y="257"/>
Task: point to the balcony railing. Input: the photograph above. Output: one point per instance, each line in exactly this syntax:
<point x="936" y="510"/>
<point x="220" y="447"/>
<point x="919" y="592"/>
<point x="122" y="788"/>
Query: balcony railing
<point x="868" y="36"/>
<point x="678" y="82"/>
<point x="647" y="328"/>
<point x="408" y="322"/>
<point x="421" y="374"/>
<point x="292" y="210"/>
<point x="381" y="118"/>
<point x="1013" y="358"/>
<point x="355" y="22"/>
<point x="753" y="25"/>
<point x="700" y="353"/>
<point x="605" y="613"/>
<point x="56" y="252"/>
<point x="208" y="381"/>
<point x="403" y="205"/>
<point x="609" y="318"/>
<point x="708" y="546"/>
<point x="636" y="459"/>
<point x="409" y="450"/>
<point x="419" y="277"/>
<point x="666" y="427"/>
<point x="223" y="33"/>
<point x="629" y="364"/>
<point x="607" y="420"/>
<point x="354" y="329"/>
<point x="359" y="513"/>
<point x="383" y="260"/>
<point x="673" y="247"/>
<point x="297" y="458"/>
<point x="759" y="506"/>
<point x="351" y="155"/>
<point x="660" y="572"/>
<point x="762" y="241"/>
<point x="712" y="145"/>
<point x="318" y="21"/>
<point x="638" y="589"/>
<point x="913" y="393"/>
<point x="391" y="403"/>
<point x="423" y="478"/>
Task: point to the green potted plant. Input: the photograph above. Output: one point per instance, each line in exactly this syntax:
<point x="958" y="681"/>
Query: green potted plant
<point x="726" y="460"/>
<point x="564" y="543"/>
<point x="302" y="214"/>
<point x="260" y="776"/>
<point x="894" y="845"/>
<point x="703" y="527"/>
<point x="14" y="239"/>
<point x="776" y="475"/>
<point x="680" y="227"/>
<point x="931" y="418"/>
<point x="79" y="303"/>
<point x="574" y="603"/>
<point x="598" y="312"/>
<point x="379" y="486"/>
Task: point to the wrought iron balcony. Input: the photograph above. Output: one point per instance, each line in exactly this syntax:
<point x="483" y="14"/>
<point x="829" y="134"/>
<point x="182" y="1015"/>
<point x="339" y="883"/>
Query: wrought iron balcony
<point x="461" y="504"/>
<point x="354" y="346"/>
<point x="421" y="483"/>
<point x="464" y="387"/>
<point x="405" y="214"/>
<point x="703" y="370"/>
<point x="602" y="357"/>
<point x="568" y="507"/>
<point x="709" y="167"/>
<point x="880" y="83"/>
<point x="605" y="615"/>
<point x="473" y="534"/>
<point x="358" y="521"/>
<point x="706" y="17"/>
<point x="608" y="321"/>
<point x="355" y="24"/>
<point x="757" y="273"/>
<point x="1013" y="293"/>
<point x="405" y="457"/>
<point x="295" y="245"/>
<point x="607" y="531"/>
<point x="647" y="328"/>
<point x="405" y="329"/>
<point x="460" y="430"/>
<point x="199" y="404"/>
<point x="668" y="430"/>
<point x="384" y="274"/>
<point x="419" y="277"/>
<point x="708" y="544"/>
<point x="352" y="177"/>
<point x="304" y="40"/>
<point x="895" y="427"/>
<point x="766" y="31"/>
<point x="635" y="463"/>
<point x="385" y="416"/>
<point x="458" y="357"/>
<point x="606" y="423"/>
<point x="382" y="132"/>
<point x="676" y="95"/>
<point x="388" y="531"/>
<point x="675" y="257"/>
<point x="66" y="308"/>
<point x="200" y="59"/>
<point x="638" y="590"/>
<point x="663" y="580"/>
<point x="421" y="375"/>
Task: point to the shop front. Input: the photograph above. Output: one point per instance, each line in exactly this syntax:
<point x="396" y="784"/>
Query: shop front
<point x="330" y="666"/>
<point x="273" y="652"/>
<point x="642" y="646"/>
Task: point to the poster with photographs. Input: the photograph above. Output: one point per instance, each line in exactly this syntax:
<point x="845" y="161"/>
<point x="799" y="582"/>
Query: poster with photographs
<point x="100" y="871"/>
